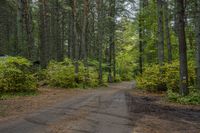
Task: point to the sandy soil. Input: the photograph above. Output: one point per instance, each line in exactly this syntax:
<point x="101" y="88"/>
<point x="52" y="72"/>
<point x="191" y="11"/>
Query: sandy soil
<point x="16" y="107"/>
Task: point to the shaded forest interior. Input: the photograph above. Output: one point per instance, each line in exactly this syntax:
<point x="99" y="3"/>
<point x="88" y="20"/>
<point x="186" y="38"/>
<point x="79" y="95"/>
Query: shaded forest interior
<point x="91" y="42"/>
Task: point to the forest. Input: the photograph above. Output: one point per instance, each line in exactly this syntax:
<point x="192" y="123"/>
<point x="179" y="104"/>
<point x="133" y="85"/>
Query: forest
<point x="99" y="66"/>
<point x="89" y="43"/>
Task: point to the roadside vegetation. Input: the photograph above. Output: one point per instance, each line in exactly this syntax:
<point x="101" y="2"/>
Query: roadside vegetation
<point x="169" y="49"/>
<point x="165" y="78"/>
<point x="19" y="77"/>
<point x="16" y="75"/>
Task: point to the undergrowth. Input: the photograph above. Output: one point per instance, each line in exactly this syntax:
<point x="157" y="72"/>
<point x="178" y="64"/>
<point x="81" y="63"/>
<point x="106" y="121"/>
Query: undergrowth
<point x="10" y="95"/>
<point x="166" y="78"/>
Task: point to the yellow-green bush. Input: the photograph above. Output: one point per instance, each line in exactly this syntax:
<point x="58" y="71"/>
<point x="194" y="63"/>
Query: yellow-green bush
<point x="151" y="79"/>
<point x="171" y="75"/>
<point x="15" y="75"/>
<point x="118" y="78"/>
<point x="88" y="77"/>
<point x="62" y="74"/>
<point x="41" y="75"/>
<point x="192" y="98"/>
<point x="156" y="78"/>
<point x="93" y="77"/>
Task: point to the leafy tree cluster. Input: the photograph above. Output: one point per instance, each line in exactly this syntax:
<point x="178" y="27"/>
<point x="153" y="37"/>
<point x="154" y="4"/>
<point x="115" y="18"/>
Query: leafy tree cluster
<point x="169" y="45"/>
<point x="45" y="30"/>
<point x="50" y="33"/>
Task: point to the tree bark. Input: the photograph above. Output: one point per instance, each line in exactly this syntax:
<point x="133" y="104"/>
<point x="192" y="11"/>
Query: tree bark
<point x="197" y="27"/>
<point x="27" y="11"/>
<point x="59" y="51"/>
<point x="141" y="38"/>
<point x="19" y="27"/>
<point x="99" y="38"/>
<point x="70" y="52"/>
<point x="83" y="38"/>
<point x="167" y="32"/>
<point x="76" y="50"/>
<point x="43" y="30"/>
<point x="160" y="33"/>
<point x="182" y="48"/>
<point x="112" y="43"/>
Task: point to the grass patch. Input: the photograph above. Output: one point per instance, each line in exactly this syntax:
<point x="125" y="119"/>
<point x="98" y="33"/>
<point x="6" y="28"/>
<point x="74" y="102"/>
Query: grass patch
<point x="10" y="95"/>
<point x="192" y="99"/>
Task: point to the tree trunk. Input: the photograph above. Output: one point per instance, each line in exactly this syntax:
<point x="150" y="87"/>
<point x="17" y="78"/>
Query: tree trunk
<point x="76" y="50"/>
<point x="70" y="52"/>
<point x="63" y="39"/>
<point x="182" y="48"/>
<point x="142" y="30"/>
<point x="141" y="39"/>
<point x="27" y="11"/>
<point x="99" y="38"/>
<point x="83" y="38"/>
<point x="19" y="27"/>
<point x="160" y="33"/>
<point x="43" y="30"/>
<point x="167" y="32"/>
<point x="59" y="51"/>
<point x="197" y="27"/>
<point x="3" y="16"/>
<point x="112" y="43"/>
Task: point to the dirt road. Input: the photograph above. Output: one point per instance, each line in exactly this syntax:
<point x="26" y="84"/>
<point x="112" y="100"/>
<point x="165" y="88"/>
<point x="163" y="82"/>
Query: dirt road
<point x="112" y="110"/>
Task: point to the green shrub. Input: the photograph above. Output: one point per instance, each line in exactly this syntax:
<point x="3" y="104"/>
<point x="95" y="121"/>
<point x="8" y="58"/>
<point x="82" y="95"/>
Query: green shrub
<point x="88" y="77"/>
<point x="15" y="75"/>
<point x="172" y="77"/>
<point x="41" y="77"/>
<point x="118" y="78"/>
<point x="125" y="75"/>
<point x="156" y="78"/>
<point x="125" y="66"/>
<point x="192" y="98"/>
<point x="151" y="79"/>
<point x="62" y="74"/>
<point x="93" y="77"/>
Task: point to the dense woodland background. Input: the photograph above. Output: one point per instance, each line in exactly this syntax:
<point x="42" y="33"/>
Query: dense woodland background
<point x="157" y="42"/>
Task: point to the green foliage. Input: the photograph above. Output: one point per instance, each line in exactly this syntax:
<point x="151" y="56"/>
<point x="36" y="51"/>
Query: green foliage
<point x="127" y="55"/>
<point x="9" y="95"/>
<point x="125" y="66"/>
<point x="151" y="79"/>
<point x="88" y="77"/>
<point x="15" y="75"/>
<point x="41" y="75"/>
<point x="192" y="98"/>
<point x="156" y="78"/>
<point x="118" y="78"/>
<point x="62" y="74"/>
<point x="171" y="75"/>
<point x="92" y="80"/>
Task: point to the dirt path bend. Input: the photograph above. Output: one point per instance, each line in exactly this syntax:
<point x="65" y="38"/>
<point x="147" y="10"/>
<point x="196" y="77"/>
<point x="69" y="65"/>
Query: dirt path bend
<point x="112" y="110"/>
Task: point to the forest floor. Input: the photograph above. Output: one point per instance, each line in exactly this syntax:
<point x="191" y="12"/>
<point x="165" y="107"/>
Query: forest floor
<point x="118" y="108"/>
